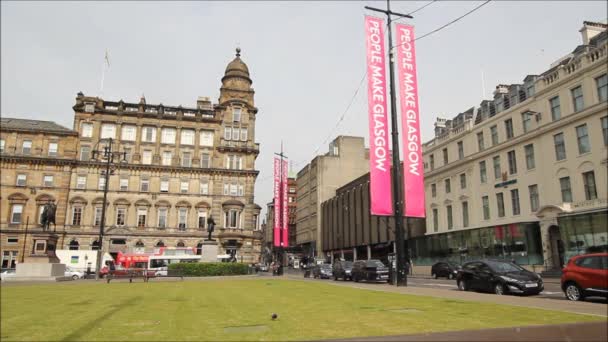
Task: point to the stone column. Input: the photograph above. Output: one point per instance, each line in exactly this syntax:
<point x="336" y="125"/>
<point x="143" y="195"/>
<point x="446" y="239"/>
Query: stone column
<point x="341" y="254"/>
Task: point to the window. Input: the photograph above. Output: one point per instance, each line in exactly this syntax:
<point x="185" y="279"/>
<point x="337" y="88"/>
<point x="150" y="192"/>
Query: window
<point x="148" y="134"/>
<point x="146" y="157"/>
<point x="448" y="187"/>
<point x="486" y="207"/>
<point x="494" y="134"/>
<point x="465" y="214"/>
<point x="182" y="218"/>
<point x="167" y="136"/>
<point x="605" y="129"/>
<point x="235" y="133"/>
<point x="449" y="212"/>
<point x="167" y="157"/>
<point x="480" y="143"/>
<point x="496" y="161"/>
<point x="589" y="181"/>
<point x="102" y="183"/>
<point x="183" y="187"/>
<point x="432" y="161"/>
<point x="76" y="215"/>
<point x="53" y="149"/>
<point x="560" y="146"/>
<point x="204" y="187"/>
<point x="144" y="185"/>
<point x="21" y="179"/>
<point x="9" y="259"/>
<point x="187" y="137"/>
<point x="47" y="180"/>
<point x="205" y="160"/>
<point x="186" y="159"/>
<point x="236" y="114"/>
<point x="435" y="220"/>
<point x="142" y="215"/>
<point x="582" y="138"/>
<point x="483" y="177"/>
<point x="206" y="138"/>
<point x="27" y="147"/>
<point x="445" y="156"/>
<point x="292" y="190"/>
<point x="577" y="98"/>
<point x="515" y="202"/>
<point x="108" y="131"/>
<point x="526" y="119"/>
<point x="512" y="159"/>
<point x="124" y="184"/>
<point x="463" y="180"/>
<point x="530" y="162"/>
<point x="226" y="189"/>
<point x="556" y="111"/>
<point x="202" y="219"/>
<point x="530" y="90"/>
<point x="433" y="190"/>
<point x="244" y="134"/>
<point x="16" y="212"/>
<point x="227" y="133"/>
<point x="232" y="218"/>
<point x="97" y="217"/>
<point x="128" y="153"/>
<point x="509" y="128"/>
<point x="2" y="145"/>
<point x="602" y="87"/>
<point x="81" y="182"/>
<point x="460" y="150"/>
<point x="12" y="240"/>
<point x="233" y="189"/>
<point x="162" y="217"/>
<point x="241" y="193"/>
<point x="164" y="185"/>
<point x="533" y="190"/>
<point x="234" y="162"/>
<point x="87" y="130"/>
<point x="128" y="133"/>
<point x="564" y="184"/>
<point x="121" y="214"/>
<point x="500" y="204"/>
<point x="85" y="153"/>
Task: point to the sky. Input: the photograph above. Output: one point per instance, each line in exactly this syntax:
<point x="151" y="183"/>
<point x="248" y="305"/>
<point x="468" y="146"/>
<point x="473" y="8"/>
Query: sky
<point x="306" y="59"/>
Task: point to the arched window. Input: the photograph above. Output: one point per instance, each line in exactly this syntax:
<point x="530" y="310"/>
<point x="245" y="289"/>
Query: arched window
<point x="181" y="244"/>
<point x="95" y="245"/>
<point x="139" y="244"/>
<point x="199" y="248"/>
<point x="160" y="244"/>
<point x="74" y="245"/>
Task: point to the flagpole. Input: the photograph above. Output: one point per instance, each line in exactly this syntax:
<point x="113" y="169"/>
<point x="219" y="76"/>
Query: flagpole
<point x="106" y="62"/>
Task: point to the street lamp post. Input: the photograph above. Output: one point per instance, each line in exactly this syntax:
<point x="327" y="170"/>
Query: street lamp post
<point x="108" y="156"/>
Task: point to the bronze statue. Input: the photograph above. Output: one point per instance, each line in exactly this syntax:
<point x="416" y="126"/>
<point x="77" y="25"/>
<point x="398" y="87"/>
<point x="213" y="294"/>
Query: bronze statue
<point x="48" y="215"/>
<point x="210" y="227"/>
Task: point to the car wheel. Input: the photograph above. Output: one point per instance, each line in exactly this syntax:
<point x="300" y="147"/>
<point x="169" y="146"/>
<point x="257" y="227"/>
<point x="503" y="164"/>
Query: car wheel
<point x="434" y="275"/>
<point x="462" y="285"/>
<point x="574" y="292"/>
<point x="74" y="277"/>
<point x="499" y="289"/>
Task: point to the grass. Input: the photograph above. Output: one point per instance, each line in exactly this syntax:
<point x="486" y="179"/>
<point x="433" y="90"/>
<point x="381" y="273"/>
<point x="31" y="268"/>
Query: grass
<point x="241" y="309"/>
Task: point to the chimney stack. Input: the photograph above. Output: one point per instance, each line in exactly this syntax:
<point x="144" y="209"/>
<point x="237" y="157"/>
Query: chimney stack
<point x="591" y="29"/>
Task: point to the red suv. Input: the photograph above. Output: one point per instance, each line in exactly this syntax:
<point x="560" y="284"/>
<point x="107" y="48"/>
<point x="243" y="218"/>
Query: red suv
<point x="586" y="276"/>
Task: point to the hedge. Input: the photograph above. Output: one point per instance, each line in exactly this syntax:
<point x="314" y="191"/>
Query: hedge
<point x="208" y="269"/>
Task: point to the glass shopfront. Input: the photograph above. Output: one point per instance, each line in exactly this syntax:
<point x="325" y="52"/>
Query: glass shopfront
<point x="518" y="241"/>
<point x="584" y="233"/>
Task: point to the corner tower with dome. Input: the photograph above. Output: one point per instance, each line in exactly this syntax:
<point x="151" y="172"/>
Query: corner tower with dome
<point x="185" y="167"/>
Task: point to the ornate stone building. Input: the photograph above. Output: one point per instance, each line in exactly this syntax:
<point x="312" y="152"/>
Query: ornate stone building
<point x="182" y="167"/>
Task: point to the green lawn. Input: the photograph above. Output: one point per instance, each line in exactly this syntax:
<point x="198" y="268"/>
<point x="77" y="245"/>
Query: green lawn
<point x="202" y="310"/>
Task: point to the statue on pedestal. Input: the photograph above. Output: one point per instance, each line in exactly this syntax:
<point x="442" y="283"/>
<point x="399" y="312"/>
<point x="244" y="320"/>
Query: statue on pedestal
<point x="48" y="215"/>
<point x="210" y="227"/>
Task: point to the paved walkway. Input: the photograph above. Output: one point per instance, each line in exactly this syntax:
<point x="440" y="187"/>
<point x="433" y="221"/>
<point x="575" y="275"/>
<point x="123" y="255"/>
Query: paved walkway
<point x="554" y="333"/>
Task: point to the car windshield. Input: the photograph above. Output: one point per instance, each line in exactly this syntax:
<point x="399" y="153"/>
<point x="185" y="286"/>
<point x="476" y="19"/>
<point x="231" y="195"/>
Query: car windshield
<point x="504" y="267"/>
<point x="375" y="263"/>
<point x="326" y="266"/>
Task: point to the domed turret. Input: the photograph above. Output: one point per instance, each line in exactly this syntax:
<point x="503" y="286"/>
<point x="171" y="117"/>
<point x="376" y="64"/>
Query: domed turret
<point x="236" y="83"/>
<point x="237" y="67"/>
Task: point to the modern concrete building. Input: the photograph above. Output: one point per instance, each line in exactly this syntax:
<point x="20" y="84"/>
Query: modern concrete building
<point x="524" y="176"/>
<point x="183" y="166"/>
<point x="346" y="160"/>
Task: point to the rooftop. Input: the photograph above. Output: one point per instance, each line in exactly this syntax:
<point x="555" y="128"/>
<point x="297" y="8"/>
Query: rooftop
<point x="33" y="125"/>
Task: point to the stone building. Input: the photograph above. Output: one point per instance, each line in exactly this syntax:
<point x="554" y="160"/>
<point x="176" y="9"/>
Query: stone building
<point x="524" y="175"/>
<point x="183" y="166"/>
<point x="346" y="160"/>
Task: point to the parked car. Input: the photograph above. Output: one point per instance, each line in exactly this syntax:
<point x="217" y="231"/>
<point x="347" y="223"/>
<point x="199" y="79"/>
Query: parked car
<point x="74" y="274"/>
<point x="342" y="269"/>
<point x="586" y="276"/>
<point x="321" y="271"/>
<point x="369" y="270"/>
<point x="448" y="269"/>
<point x="498" y="276"/>
<point x="264" y="268"/>
<point x="7" y="274"/>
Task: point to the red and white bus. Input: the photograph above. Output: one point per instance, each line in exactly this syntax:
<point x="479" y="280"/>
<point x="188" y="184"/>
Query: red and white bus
<point x="159" y="264"/>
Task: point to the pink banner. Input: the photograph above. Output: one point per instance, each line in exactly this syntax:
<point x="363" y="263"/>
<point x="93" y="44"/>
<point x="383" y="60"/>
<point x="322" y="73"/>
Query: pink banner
<point x="413" y="176"/>
<point x="277" y="203"/>
<point x="379" y="155"/>
<point x="285" y="208"/>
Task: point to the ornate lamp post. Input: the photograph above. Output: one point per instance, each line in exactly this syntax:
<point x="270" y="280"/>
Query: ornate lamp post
<point x="110" y="156"/>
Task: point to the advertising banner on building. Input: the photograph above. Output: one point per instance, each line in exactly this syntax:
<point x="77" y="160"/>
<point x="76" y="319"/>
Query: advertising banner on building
<point x="277" y="202"/>
<point x="379" y="155"/>
<point x="413" y="177"/>
<point x="285" y="206"/>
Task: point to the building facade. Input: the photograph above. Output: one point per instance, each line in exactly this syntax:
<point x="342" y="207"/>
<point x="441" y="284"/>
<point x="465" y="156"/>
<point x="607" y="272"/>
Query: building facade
<point x="346" y="160"/>
<point x="183" y="166"/>
<point x="524" y="176"/>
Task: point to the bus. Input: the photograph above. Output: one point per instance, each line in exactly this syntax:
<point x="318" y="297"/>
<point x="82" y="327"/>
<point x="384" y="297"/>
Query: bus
<point x="159" y="264"/>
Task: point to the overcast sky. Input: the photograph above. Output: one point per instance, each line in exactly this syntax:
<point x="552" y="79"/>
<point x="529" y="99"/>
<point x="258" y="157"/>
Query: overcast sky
<point x="306" y="59"/>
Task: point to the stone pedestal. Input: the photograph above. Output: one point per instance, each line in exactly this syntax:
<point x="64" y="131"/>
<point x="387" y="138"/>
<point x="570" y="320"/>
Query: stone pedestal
<point x="209" y="251"/>
<point x="41" y="264"/>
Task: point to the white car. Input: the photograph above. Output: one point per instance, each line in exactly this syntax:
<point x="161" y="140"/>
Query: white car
<point x="7" y="274"/>
<point x="70" y="272"/>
